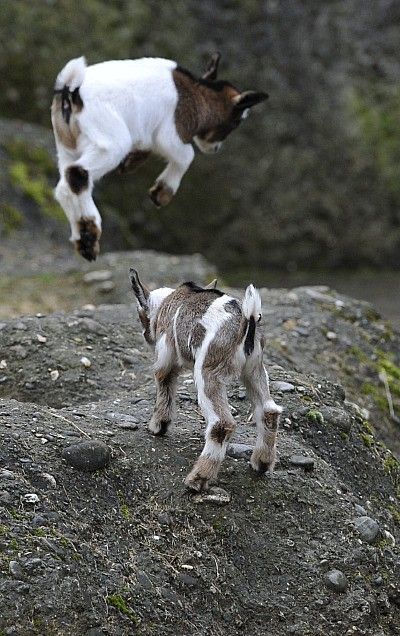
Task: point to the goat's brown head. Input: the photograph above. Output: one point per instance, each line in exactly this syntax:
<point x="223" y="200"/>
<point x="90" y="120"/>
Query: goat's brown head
<point x="230" y="105"/>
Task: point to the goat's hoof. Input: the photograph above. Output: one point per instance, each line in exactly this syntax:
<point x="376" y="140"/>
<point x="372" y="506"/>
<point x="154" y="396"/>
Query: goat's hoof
<point x="262" y="462"/>
<point x="159" y="428"/>
<point x="196" y="482"/>
<point x="161" y="194"/>
<point x="88" y="244"/>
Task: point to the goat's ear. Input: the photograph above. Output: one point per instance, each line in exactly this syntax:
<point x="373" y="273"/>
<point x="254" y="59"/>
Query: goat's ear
<point x="212" y="285"/>
<point x="212" y="67"/>
<point x="248" y="99"/>
<point x="141" y="292"/>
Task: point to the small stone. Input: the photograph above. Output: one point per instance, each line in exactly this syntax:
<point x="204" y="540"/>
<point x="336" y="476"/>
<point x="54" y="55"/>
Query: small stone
<point x="389" y="537"/>
<point x="367" y="528"/>
<point x="90" y="455"/>
<point x="54" y="375"/>
<point x="335" y="580"/>
<point x="5" y="497"/>
<point x="85" y="362"/>
<point x="336" y="417"/>
<point x="50" y="478"/>
<point x="3" y="364"/>
<point x="186" y="579"/>
<point x="239" y="451"/>
<point x="41" y="338"/>
<point x="360" y="510"/>
<point x="106" y="287"/>
<point x="97" y="276"/>
<point x="331" y="335"/>
<point x="303" y="461"/>
<point x="215" y="495"/>
<point x="31" y="498"/>
<point x="15" y="570"/>
<point x="38" y="521"/>
<point x="284" y="387"/>
<point x="144" y="580"/>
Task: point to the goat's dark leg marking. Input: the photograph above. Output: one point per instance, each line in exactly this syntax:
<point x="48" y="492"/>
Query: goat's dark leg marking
<point x="161" y="194"/>
<point x="214" y="404"/>
<point x="77" y="178"/>
<point x="88" y="244"/>
<point x="166" y="384"/>
<point x="133" y="160"/>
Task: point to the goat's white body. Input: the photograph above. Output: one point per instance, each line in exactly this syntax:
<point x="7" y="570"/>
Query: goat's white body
<point x="137" y="97"/>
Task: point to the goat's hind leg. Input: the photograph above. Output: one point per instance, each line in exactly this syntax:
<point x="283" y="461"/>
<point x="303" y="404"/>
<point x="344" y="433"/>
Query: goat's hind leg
<point x="214" y="404"/>
<point x="166" y="374"/>
<point x="266" y="415"/>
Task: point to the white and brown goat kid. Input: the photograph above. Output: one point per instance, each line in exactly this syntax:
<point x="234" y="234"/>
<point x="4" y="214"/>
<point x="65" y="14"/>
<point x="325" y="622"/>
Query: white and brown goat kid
<point x="116" y="113"/>
<point x="219" y="337"/>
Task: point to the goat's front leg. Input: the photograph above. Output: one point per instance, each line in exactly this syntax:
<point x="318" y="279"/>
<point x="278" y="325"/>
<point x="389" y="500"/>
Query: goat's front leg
<point x="214" y="404"/>
<point x="266" y="414"/>
<point x="179" y="158"/>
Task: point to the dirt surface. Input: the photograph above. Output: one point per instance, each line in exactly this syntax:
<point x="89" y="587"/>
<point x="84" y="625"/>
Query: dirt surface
<point x="126" y="550"/>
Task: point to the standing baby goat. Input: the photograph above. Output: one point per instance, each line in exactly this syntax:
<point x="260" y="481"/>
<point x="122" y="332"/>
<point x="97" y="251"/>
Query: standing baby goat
<point x="204" y="329"/>
<point x="116" y="113"/>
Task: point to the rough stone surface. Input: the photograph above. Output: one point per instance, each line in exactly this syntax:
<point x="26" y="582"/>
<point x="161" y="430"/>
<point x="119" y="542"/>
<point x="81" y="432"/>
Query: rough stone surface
<point x="304" y="462"/>
<point x="90" y="455"/>
<point x="335" y="580"/>
<point x="257" y="562"/>
<point x="367" y="528"/>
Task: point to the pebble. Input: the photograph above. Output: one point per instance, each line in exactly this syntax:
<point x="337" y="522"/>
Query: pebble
<point x="239" y="451"/>
<point x="3" y="364"/>
<point x="284" y="387"/>
<point x="367" y="528"/>
<point x="41" y="338"/>
<point x="215" y="495"/>
<point x="186" y="579"/>
<point x="144" y="580"/>
<point x="331" y="335"/>
<point x="15" y="570"/>
<point x="303" y="461"/>
<point x="85" y="362"/>
<point x="337" y="417"/>
<point x="54" y="375"/>
<point x="31" y="498"/>
<point x="5" y="497"/>
<point x="106" y="287"/>
<point x="97" y="276"/>
<point x="360" y="510"/>
<point x="90" y="455"/>
<point x="335" y="580"/>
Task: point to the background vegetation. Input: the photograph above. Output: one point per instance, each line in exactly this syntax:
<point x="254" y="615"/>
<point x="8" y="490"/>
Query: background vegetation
<point x="311" y="180"/>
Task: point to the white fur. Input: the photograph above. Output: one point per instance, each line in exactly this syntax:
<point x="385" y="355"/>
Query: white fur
<point x="128" y="105"/>
<point x="163" y="354"/>
<point x="177" y="349"/>
<point x="251" y="305"/>
<point x="72" y="74"/>
<point x="212" y="320"/>
<point x="155" y="299"/>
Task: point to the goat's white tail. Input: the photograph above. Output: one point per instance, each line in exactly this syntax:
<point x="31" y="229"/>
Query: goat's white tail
<point x="71" y="75"/>
<point x="251" y="309"/>
<point x="251" y="305"/>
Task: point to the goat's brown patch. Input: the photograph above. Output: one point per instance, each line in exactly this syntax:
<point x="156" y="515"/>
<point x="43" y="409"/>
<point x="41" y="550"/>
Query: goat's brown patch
<point x="161" y="194"/>
<point x="88" y="244"/>
<point x="202" y="105"/>
<point x="67" y="134"/>
<point x="271" y="421"/>
<point x="133" y="160"/>
<point x="221" y="431"/>
<point x="77" y="178"/>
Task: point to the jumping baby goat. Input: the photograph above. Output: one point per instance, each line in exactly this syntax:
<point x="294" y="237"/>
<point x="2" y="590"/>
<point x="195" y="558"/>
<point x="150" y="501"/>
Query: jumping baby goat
<point x="116" y="113"/>
<point x="204" y="329"/>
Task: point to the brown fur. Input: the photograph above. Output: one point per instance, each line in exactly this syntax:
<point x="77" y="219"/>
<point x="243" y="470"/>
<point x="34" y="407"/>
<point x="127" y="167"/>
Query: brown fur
<point x="67" y="134"/>
<point x="203" y="472"/>
<point x="200" y="107"/>
<point x="88" y="244"/>
<point x="133" y="160"/>
<point x="221" y="431"/>
<point x="161" y="194"/>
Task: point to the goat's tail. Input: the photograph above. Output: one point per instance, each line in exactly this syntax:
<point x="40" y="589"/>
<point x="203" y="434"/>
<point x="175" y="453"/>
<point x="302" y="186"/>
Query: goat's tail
<point x="251" y="310"/>
<point x="67" y="86"/>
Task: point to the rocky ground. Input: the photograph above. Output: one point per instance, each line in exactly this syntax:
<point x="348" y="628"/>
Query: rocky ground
<point x="124" y="549"/>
